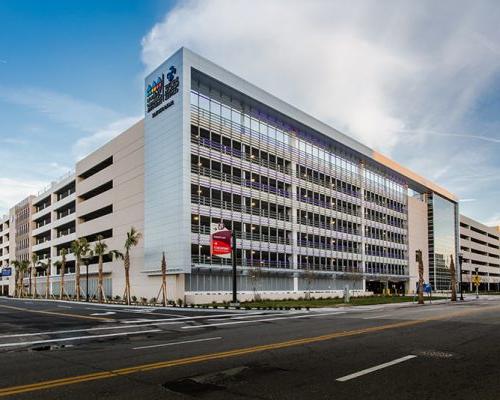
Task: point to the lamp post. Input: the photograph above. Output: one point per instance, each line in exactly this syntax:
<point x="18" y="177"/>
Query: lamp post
<point x="235" y="298"/>
<point x="460" y="259"/>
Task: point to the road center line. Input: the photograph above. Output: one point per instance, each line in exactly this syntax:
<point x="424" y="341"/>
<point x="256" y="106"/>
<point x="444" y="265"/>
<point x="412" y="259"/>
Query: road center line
<point x="175" y="343"/>
<point x="375" y="368"/>
<point x="259" y="320"/>
<point x="16" y="344"/>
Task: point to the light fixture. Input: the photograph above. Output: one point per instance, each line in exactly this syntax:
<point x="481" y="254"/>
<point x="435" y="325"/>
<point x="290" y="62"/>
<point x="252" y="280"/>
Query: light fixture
<point x="199" y="191"/>
<point x="253" y="228"/>
<point x="253" y="204"/>
<point x="196" y="218"/>
<point x="199" y="164"/>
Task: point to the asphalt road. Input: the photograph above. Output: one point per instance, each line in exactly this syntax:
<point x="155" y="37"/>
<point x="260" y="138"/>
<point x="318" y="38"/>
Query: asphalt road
<point x="56" y="350"/>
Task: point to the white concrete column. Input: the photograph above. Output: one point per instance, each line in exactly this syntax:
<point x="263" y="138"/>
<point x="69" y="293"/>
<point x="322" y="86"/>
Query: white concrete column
<point x="295" y="257"/>
<point x="363" y="239"/>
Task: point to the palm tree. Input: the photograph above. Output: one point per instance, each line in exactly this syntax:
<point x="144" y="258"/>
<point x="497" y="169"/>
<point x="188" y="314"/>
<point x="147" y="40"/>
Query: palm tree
<point x="21" y="269"/>
<point x="86" y="261"/>
<point x="15" y="264"/>
<point x="46" y="268"/>
<point x="79" y="248"/>
<point x="100" y="248"/>
<point x="132" y="240"/>
<point x="62" y="265"/>
<point x="34" y="262"/>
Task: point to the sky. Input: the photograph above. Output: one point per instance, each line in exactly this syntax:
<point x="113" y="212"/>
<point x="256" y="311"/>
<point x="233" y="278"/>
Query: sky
<point x="418" y="81"/>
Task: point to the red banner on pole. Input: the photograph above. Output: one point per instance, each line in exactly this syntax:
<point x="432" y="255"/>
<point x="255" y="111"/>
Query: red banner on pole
<point x="220" y="241"/>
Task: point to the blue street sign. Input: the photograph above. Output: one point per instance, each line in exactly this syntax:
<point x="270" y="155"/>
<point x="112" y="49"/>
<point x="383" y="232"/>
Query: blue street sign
<point x="7" y="272"/>
<point x="427" y="288"/>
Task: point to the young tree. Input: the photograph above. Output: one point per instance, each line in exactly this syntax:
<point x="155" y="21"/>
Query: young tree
<point x="132" y="240"/>
<point x="34" y="262"/>
<point x="100" y="248"/>
<point x="79" y="248"/>
<point x="420" y="277"/>
<point x="17" y="291"/>
<point x="21" y="269"/>
<point x="62" y="265"/>
<point x="453" y="280"/>
<point x="45" y="267"/>
<point x="163" y="288"/>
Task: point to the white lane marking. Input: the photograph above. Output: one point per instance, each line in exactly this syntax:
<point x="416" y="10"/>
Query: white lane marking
<point x="77" y="338"/>
<point x="259" y="320"/>
<point x="107" y="328"/>
<point x="377" y="316"/>
<point x="174" y="343"/>
<point x="182" y="319"/>
<point x="64" y="306"/>
<point x="243" y="317"/>
<point x="104" y="313"/>
<point x="376" y="368"/>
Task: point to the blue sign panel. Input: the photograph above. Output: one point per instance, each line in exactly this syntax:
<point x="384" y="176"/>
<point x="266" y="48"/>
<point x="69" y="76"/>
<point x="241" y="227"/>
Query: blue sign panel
<point x="427" y="288"/>
<point x="6" y="272"/>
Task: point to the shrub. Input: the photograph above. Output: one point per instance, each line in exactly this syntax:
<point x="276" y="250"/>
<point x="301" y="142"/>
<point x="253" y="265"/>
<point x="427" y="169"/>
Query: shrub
<point x="152" y="300"/>
<point x="117" y="298"/>
<point x="180" y="302"/>
<point x="134" y="299"/>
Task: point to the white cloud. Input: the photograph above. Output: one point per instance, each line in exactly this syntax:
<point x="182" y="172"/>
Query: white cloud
<point x="12" y="191"/>
<point x="60" y="107"/>
<point x="87" y="144"/>
<point x="403" y="77"/>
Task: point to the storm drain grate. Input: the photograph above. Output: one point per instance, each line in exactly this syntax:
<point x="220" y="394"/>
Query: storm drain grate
<point x="436" y="354"/>
<point x="51" y="347"/>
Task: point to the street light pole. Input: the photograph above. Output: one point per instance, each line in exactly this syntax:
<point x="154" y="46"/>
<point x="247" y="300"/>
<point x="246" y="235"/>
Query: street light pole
<point x="460" y="259"/>
<point x="235" y="298"/>
<point x="87" y="281"/>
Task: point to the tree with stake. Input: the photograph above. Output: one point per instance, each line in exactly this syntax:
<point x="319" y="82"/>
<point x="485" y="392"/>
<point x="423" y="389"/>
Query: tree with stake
<point x="453" y="280"/>
<point x="34" y="262"/>
<point x="62" y="265"/>
<point x="45" y="267"/>
<point x="132" y="240"/>
<point x="79" y="248"/>
<point x="23" y="267"/>
<point x="163" y="288"/>
<point x="100" y="248"/>
<point x="18" y="277"/>
<point x="420" y="277"/>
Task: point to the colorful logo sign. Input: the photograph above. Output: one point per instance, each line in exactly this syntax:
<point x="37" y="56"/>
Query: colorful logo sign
<point x="155" y="87"/>
<point x="220" y="241"/>
<point x="160" y="90"/>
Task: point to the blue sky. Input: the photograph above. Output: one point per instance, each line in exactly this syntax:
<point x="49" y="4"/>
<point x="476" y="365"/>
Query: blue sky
<point x="419" y="81"/>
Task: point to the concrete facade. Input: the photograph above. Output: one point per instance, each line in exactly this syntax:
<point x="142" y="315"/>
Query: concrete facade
<point x="480" y="248"/>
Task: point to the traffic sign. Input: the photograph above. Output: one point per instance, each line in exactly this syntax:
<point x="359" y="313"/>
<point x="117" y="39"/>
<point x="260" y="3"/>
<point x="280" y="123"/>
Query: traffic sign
<point x="476" y="280"/>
